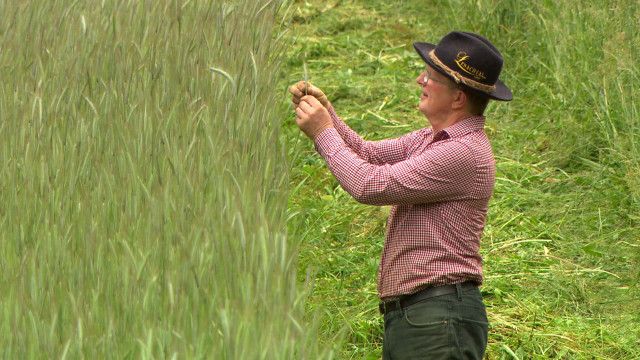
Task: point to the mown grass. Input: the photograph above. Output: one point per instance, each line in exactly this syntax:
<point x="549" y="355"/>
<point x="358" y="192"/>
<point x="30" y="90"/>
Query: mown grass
<point x="561" y="245"/>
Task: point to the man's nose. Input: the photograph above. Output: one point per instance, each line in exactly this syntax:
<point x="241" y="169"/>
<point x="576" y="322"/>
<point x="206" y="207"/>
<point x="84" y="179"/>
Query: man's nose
<point x="419" y="79"/>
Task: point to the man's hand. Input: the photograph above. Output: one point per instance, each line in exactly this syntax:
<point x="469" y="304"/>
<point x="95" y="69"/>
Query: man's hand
<point x="312" y="117"/>
<point x="298" y="91"/>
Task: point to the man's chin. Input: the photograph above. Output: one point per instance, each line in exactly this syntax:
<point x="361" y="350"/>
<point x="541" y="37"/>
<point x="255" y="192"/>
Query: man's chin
<point x="422" y="108"/>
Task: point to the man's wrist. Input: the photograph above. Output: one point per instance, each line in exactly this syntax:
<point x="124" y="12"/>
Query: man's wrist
<point x="319" y="131"/>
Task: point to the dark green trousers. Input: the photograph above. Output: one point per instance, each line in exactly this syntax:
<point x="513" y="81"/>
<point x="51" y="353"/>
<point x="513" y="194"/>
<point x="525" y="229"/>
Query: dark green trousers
<point x="450" y="326"/>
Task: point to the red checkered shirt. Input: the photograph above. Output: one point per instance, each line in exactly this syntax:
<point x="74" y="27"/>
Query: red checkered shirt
<point x="439" y="185"/>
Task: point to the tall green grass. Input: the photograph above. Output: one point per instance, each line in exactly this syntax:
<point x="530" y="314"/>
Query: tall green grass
<point x="144" y="183"/>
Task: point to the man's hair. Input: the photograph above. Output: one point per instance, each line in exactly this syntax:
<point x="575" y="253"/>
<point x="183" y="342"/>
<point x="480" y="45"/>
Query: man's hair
<point x="476" y="101"/>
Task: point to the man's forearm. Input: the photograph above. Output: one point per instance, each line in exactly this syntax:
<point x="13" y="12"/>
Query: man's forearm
<point x="381" y="152"/>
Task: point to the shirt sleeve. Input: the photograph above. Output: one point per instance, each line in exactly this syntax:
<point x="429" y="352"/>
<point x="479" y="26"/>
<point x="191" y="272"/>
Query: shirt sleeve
<point x="389" y="151"/>
<point x="443" y="172"/>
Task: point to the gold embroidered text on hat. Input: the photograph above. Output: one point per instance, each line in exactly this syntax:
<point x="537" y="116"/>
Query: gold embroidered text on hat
<point x="459" y="78"/>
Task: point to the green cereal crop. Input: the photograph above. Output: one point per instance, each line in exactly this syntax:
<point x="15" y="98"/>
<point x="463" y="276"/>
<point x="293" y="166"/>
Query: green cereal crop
<point x="144" y="183"/>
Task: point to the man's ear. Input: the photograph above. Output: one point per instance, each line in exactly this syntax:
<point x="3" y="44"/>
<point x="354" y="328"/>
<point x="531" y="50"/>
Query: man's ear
<point x="459" y="100"/>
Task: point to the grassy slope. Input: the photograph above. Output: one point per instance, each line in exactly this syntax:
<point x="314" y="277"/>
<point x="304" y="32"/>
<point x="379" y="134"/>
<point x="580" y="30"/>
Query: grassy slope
<point x="561" y="241"/>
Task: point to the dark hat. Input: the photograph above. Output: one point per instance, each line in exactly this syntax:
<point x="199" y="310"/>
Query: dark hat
<point x="468" y="59"/>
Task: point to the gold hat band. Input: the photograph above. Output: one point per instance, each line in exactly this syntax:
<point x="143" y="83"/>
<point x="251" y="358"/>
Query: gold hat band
<point x="458" y="78"/>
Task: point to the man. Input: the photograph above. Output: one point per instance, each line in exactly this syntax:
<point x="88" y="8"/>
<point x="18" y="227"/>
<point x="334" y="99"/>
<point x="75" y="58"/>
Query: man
<point x="439" y="181"/>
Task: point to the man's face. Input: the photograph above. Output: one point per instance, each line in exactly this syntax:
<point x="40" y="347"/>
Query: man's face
<point x="437" y="94"/>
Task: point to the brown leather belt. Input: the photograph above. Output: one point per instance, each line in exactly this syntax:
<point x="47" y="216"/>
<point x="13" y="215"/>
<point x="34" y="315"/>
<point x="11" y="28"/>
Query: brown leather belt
<point x="430" y="292"/>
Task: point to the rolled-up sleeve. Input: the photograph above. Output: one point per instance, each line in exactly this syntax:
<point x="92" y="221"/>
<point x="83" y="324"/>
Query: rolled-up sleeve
<point x="444" y="171"/>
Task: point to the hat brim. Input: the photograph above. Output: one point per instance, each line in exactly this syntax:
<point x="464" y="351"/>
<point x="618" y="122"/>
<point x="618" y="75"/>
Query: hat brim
<point x="501" y="93"/>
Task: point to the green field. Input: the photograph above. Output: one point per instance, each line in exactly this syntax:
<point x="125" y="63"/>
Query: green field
<point x="158" y="201"/>
<point x="562" y="241"/>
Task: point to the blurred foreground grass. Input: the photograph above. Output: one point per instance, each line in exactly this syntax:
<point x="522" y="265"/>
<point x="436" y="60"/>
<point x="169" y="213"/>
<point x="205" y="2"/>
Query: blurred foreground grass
<point x="144" y="184"/>
<point x="562" y="241"/>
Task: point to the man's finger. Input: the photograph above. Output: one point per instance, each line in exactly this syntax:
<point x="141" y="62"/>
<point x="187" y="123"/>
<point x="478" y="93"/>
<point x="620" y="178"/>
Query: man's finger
<point x="300" y="114"/>
<point x="323" y="99"/>
<point x="302" y="85"/>
<point x="311" y="90"/>
<point x="293" y="89"/>
<point x="318" y="94"/>
<point x="305" y="106"/>
<point x="311" y="100"/>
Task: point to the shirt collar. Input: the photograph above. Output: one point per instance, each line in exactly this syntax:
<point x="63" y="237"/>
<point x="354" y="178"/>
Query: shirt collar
<point x="460" y="128"/>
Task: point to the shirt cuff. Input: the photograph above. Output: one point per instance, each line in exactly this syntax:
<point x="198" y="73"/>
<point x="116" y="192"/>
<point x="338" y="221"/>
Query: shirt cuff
<point x="329" y="142"/>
